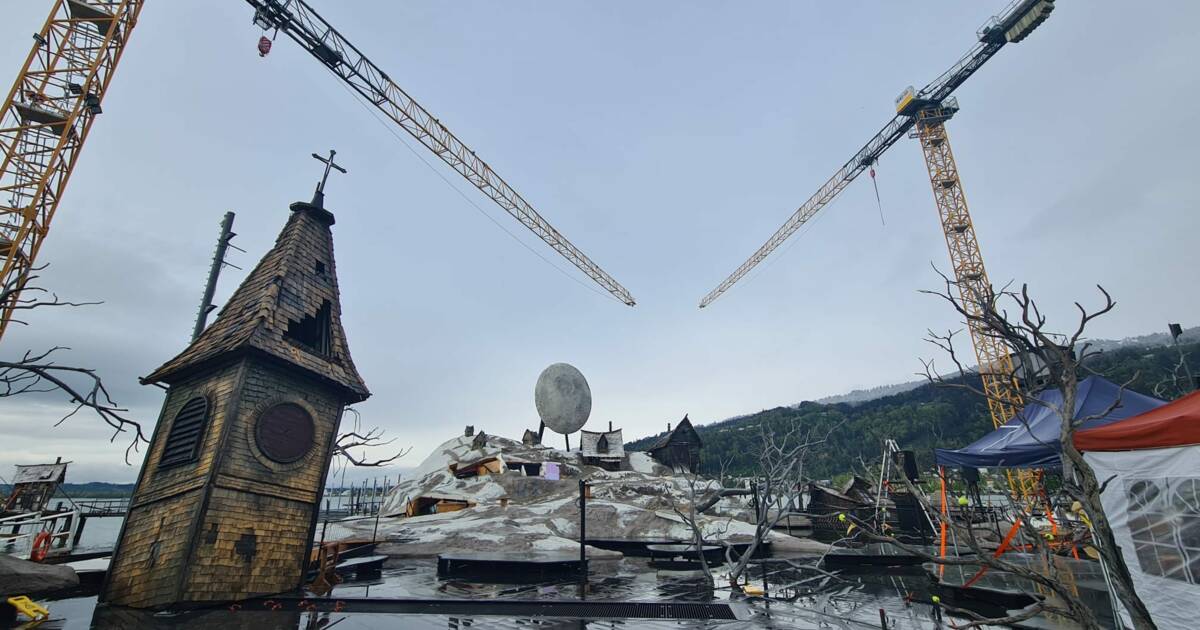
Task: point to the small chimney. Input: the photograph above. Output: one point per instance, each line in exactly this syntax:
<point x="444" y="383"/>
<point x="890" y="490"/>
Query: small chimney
<point x="610" y="426"/>
<point x="668" y="427"/>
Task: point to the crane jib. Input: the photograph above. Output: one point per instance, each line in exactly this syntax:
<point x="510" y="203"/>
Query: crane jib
<point x="1013" y="25"/>
<point x="308" y="29"/>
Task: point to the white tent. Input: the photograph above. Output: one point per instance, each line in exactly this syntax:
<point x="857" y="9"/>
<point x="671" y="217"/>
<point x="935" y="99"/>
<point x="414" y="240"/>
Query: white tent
<point x="1153" y="503"/>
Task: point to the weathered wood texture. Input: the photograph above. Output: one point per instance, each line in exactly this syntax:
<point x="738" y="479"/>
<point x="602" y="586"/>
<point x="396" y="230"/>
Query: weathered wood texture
<point x="235" y="523"/>
<point x="679" y="448"/>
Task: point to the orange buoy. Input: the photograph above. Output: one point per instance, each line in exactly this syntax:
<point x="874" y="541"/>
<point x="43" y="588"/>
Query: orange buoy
<point x="41" y="547"/>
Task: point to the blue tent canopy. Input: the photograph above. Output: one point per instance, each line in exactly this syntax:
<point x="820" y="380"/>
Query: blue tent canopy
<point x="1030" y="438"/>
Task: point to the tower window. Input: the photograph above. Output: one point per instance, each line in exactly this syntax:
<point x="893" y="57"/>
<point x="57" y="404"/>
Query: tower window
<point x="312" y="332"/>
<point x="320" y="268"/>
<point x="187" y="431"/>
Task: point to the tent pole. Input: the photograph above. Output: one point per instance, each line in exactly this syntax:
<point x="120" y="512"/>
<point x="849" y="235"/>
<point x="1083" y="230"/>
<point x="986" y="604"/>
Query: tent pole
<point x="945" y="518"/>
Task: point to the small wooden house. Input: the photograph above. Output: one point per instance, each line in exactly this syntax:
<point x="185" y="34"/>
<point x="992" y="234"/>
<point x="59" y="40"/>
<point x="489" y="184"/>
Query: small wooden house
<point x="680" y="448"/>
<point x="436" y="503"/>
<point x="477" y="468"/>
<point x="605" y="449"/>
<point x="34" y="486"/>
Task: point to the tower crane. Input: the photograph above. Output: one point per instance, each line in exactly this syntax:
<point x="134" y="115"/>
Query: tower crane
<point x="306" y="27"/>
<point x="922" y="115"/>
<point x="44" y="122"/>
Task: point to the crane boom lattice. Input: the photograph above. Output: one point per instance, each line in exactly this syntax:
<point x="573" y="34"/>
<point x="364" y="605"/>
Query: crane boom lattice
<point x="45" y="121"/>
<point x="991" y="354"/>
<point x="308" y="29"/>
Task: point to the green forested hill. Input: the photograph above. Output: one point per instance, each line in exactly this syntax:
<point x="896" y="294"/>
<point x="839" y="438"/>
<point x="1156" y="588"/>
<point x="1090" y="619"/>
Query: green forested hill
<point x="919" y="419"/>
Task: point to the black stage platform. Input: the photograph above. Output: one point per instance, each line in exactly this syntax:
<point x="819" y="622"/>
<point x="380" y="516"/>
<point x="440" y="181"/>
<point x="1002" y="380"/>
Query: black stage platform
<point x="510" y="567"/>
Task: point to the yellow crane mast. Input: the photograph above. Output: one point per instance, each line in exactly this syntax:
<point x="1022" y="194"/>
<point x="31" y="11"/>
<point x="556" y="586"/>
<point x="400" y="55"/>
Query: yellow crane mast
<point x="45" y="121"/>
<point x="995" y="363"/>
<point x="994" y="360"/>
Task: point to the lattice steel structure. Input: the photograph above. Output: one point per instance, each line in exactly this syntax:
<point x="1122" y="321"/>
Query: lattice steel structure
<point x="996" y="368"/>
<point x="922" y="114"/>
<point x="45" y="121"/>
<point x="308" y="29"/>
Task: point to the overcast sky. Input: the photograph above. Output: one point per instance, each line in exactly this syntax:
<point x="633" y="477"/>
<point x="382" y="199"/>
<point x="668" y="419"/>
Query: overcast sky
<point x="667" y="140"/>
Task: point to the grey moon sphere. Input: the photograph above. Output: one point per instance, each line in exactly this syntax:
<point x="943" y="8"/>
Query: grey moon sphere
<point x="563" y="398"/>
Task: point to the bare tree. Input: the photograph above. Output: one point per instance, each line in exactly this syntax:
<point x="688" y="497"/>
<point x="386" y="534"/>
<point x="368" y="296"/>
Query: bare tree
<point x="357" y="438"/>
<point x="1179" y="381"/>
<point x="777" y="486"/>
<point x="39" y="372"/>
<point x="1064" y="355"/>
<point x="691" y="516"/>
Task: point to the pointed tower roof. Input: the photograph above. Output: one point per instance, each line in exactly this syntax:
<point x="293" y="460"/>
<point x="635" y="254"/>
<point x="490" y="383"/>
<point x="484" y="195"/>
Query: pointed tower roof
<point x="287" y="309"/>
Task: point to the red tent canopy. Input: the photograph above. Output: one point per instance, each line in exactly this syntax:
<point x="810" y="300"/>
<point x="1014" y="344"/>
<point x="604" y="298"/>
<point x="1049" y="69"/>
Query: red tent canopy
<point x="1174" y="424"/>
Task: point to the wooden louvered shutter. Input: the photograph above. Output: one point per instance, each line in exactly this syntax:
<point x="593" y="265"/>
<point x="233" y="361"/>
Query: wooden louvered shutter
<point x="187" y="431"/>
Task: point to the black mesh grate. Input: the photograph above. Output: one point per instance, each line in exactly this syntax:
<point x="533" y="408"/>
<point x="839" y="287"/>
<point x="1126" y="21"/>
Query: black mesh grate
<point x="187" y="430"/>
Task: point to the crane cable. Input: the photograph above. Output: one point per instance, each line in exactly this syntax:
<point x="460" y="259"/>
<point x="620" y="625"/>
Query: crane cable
<point x="877" y="201"/>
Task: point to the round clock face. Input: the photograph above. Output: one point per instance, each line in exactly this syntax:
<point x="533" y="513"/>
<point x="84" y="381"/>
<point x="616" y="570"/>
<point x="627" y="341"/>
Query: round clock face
<point x="284" y="433"/>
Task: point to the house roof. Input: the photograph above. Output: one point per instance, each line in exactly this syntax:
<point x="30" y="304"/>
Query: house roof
<point x="41" y="473"/>
<point x="670" y="435"/>
<point x="290" y="283"/>
<point x="589" y="440"/>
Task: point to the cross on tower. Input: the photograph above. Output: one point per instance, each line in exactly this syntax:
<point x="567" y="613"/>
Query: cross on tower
<point x="319" y="195"/>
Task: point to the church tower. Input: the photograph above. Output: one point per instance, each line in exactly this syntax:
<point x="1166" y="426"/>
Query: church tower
<point x="226" y="503"/>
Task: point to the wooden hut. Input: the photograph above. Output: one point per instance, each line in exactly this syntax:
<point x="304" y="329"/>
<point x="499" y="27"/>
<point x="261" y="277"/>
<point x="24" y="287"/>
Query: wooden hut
<point x="605" y="449"/>
<point x="680" y="448"/>
<point x="436" y="503"/>
<point x="33" y="486"/>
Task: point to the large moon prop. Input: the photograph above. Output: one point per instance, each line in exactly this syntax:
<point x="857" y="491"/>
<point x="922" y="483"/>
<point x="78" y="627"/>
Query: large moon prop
<point x="563" y="399"/>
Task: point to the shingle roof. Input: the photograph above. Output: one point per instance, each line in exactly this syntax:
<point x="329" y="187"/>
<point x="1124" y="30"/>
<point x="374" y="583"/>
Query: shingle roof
<point x="287" y="285"/>
<point x="41" y="473"/>
<point x="588" y="441"/>
<point x="666" y="439"/>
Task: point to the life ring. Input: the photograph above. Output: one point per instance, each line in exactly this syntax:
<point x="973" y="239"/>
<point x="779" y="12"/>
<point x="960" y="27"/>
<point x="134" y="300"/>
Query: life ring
<point x="41" y="547"/>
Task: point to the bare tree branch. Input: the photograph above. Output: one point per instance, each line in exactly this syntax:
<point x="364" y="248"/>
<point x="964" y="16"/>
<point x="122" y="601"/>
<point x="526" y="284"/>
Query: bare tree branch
<point x="356" y="438"/>
<point x="1025" y="335"/>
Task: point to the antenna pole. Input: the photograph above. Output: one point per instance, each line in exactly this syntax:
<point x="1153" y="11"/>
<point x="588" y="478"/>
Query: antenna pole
<point x="214" y="272"/>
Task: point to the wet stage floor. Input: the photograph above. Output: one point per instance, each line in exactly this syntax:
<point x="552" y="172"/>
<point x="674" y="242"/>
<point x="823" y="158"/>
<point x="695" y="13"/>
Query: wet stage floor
<point x="799" y="598"/>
